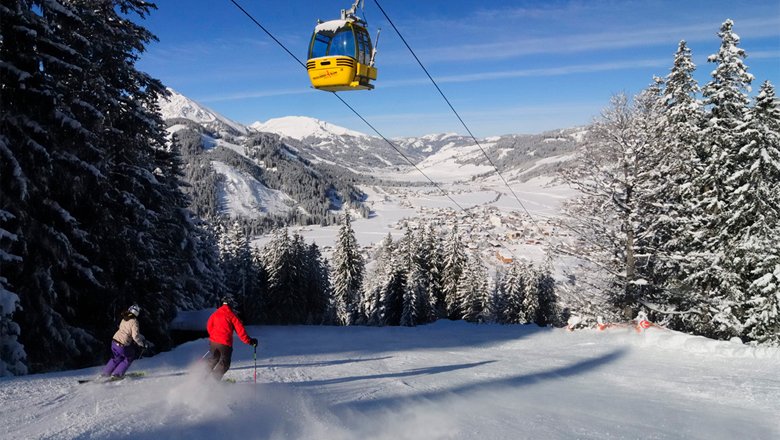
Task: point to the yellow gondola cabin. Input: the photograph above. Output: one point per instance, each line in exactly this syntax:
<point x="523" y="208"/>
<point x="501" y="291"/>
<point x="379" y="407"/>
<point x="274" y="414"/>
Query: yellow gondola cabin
<point x="341" y="56"/>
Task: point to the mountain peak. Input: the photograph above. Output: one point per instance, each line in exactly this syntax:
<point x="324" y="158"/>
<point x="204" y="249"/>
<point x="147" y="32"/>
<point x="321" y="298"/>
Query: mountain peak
<point x="179" y="106"/>
<point x="302" y="127"/>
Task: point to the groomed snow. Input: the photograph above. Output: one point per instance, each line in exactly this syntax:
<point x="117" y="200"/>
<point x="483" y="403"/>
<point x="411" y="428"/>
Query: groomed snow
<point x="448" y="380"/>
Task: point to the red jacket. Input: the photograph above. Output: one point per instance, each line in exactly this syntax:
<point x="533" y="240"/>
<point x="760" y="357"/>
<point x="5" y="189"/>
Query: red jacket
<point x="221" y="325"/>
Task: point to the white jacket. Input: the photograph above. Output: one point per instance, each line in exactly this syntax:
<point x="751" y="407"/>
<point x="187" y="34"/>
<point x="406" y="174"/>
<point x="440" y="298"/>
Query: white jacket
<point x="128" y="332"/>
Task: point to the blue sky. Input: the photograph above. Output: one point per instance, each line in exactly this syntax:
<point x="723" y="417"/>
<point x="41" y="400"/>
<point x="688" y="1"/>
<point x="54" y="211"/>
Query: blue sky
<point x="506" y="66"/>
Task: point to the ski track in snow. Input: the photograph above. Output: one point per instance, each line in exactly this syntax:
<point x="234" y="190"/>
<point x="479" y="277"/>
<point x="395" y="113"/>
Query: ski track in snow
<point x="448" y="380"/>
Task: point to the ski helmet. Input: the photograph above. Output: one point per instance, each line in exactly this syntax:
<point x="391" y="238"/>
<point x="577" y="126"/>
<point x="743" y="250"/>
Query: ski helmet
<point x="229" y="300"/>
<point x="134" y="309"/>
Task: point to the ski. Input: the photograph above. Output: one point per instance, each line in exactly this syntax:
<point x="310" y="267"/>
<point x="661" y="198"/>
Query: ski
<point x="134" y="374"/>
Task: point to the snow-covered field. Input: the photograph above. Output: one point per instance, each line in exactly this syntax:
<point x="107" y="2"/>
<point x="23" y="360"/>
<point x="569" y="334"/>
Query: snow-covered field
<point x="391" y="206"/>
<point x="448" y="380"/>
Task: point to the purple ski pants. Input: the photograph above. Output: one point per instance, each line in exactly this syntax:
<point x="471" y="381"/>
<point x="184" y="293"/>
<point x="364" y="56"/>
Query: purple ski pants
<point x="121" y="359"/>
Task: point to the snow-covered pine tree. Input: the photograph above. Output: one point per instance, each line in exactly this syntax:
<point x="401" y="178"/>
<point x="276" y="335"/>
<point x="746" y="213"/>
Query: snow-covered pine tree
<point x="316" y="285"/>
<point x="474" y="291"/>
<point x="281" y="271"/>
<point x="410" y="313"/>
<point x="209" y="277"/>
<point x="254" y="309"/>
<point x="50" y="267"/>
<point x="422" y="260"/>
<point x="548" y="312"/>
<point x="711" y="268"/>
<point x="372" y="308"/>
<point x="668" y="209"/>
<point x="758" y="211"/>
<point x="76" y="110"/>
<point x="417" y="293"/>
<point x="433" y="267"/>
<point x="241" y="278"/>
<point x="530" y="306"/>
<point x="454" y="263"/>
<point x="12" y="354"/>
<point x="513" y="288"/>
<point x="348" y="268"/>
<point x="300" y="289"/>
<point x="499" y="300"/>
<point x="195" y="274"/>
<point x="393" y="297"/>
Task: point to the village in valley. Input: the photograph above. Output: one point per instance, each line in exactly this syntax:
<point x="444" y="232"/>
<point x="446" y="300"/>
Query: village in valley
<point x="498" y="233"/>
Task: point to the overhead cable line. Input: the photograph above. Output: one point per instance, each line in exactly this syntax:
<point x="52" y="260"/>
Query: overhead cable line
<point x="457" y="115"/>
<point x="268" y="33"/>
<point x="388" y="141"/>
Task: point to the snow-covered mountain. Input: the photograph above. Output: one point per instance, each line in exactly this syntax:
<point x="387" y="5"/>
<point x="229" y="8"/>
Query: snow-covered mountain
<point x="329" y="156"/>
<point x="302" y="127"/>
<point x="177" y="105"/>
<point x="257" y="177"/>
<point x="323" y="142"/>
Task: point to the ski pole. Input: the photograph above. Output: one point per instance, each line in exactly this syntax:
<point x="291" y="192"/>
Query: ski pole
<point x="255" y="363"/>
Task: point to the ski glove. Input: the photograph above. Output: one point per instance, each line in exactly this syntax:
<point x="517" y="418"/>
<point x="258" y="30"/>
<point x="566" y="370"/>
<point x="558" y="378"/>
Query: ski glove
<point x="253" y="342"/>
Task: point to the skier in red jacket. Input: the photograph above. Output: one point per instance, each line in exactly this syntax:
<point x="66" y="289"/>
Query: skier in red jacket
<point x="220" y="326"/>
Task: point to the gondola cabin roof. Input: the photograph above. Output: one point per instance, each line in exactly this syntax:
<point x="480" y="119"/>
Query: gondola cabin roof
<point x="330" y="26"/>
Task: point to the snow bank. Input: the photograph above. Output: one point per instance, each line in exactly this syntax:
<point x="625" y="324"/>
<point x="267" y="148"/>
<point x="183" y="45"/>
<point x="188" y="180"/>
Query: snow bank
<point x="672" y="340"/>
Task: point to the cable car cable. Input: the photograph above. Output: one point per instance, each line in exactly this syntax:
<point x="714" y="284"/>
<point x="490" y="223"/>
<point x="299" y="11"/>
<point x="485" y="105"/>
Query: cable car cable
<point x="268" y="33"/>
<point x="531" y="217"/>
<point x="366" y="121"/>
<point x="457" y="115"/>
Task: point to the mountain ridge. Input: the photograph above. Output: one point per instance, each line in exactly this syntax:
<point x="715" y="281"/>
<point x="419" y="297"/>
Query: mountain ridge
<point x="335" y="159"/>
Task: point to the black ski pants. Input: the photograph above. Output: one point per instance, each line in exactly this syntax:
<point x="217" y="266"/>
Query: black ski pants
<point x="219" y="362"/>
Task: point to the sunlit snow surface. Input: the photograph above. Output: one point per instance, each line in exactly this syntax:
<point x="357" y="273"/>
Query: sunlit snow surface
<point x="448" y="380"/>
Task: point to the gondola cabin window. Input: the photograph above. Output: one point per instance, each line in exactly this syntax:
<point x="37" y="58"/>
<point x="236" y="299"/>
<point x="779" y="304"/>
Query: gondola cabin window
<point x="343" y="43"/>
<point x="319" y="47"/>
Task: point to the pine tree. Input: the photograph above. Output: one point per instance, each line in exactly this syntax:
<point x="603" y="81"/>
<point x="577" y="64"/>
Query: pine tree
<point x="280" y="269"/>
<point x="530" y="306"/>
<point x="348" y="268"/>
<point x="713" y="275"/>
<point x="12" y="354"/>
<point x="548" y="312"/>
<point x="513" y="288"/>
<point x="394" y="287"/>
<point x="454" y="262"/>
<point x="372" y="307"/>
<point x="758" y="213"/>
<point x="300" y="290"/>
<point x="76" y="110"/>
<point x="240" y="272"/>
<point x="316" y="286"/>
<point x="475" y="292"/>
<point x="50" y="265"/>
<point x="432" y="268"/>
<point x="670" y="208"/>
